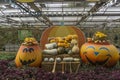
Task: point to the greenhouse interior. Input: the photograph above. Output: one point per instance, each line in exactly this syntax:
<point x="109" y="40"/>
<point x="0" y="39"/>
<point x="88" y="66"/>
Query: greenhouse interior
<point x="60" y="39"/>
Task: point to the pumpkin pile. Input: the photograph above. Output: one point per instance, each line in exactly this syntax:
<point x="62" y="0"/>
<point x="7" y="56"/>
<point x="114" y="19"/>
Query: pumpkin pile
<point x="29" y="53"/>
<point x="61" y="31"/>
<point x="62" y="45"/>
<point x="99" y="51"/>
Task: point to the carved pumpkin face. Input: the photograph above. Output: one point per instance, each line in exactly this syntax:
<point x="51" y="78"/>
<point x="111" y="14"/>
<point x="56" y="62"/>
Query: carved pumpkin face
<point x="106" y="55"/>
<point x="28" y="55"/>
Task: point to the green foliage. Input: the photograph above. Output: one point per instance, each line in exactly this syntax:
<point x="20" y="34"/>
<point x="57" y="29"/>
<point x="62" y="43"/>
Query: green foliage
<point x="8" y="72"/>
<point x="10" y="35"/>
<point x="7" y="56"/>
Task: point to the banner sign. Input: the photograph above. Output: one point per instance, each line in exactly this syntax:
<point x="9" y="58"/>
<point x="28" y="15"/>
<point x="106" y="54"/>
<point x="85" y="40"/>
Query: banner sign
<point x="25" y="1"/>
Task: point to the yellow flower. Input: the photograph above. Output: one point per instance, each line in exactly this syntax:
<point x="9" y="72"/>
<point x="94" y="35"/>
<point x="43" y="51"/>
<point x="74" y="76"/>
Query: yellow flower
<point x="29" y="39"/>
<point x="100" y="35"/>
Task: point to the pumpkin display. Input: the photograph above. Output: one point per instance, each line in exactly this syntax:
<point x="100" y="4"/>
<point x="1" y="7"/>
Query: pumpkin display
<point x="62" y="45"/>
<point x="98" y="51"/>
<point x="62" y="31"/>
<point x="29" y="54"/>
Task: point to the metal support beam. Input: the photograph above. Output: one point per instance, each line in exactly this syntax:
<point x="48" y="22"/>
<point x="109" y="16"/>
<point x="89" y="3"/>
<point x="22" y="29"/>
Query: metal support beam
<point x="67" y="0"/>
<point x="51" y="14"/>
<point x="37" y="22"/>
<point x="33" y="6"/>
<point x="29" y="11"/>
<point x="92" y="10"/>
<point x="8" y="19"/>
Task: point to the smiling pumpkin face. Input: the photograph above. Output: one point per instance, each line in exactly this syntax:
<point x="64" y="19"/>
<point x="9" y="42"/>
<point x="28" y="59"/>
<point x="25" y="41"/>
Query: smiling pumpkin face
<point x="29" y="55"/>
<point x="106" y="55"/>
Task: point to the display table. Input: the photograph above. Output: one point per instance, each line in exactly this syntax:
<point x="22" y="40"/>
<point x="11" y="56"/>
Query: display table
<point x="64" y="66"/>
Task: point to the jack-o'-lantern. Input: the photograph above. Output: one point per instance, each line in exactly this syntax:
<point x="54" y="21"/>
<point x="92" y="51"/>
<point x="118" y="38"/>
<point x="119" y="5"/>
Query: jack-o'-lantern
<point x="29" y="54"/>
<point x="98" y="51"/>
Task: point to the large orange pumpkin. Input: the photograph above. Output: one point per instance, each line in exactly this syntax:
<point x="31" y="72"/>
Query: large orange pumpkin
<point x="29" y="54"/>
<point x="61" y="31"/>
<point x="100" y="53"/>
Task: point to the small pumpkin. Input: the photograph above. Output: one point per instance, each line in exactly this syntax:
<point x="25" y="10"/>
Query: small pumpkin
<point x="99" y="53"/>
<point x="61" y="41"/>
<point x="74" y="37"/>
<point x="67" y="45"/>
<point x="53" y="40"/>
<point x="61" y="44"/>
<point x="29" y="54"/>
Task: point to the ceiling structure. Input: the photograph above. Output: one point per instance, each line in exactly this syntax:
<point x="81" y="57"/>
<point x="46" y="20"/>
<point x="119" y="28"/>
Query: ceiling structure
<point x="46" y="13"/>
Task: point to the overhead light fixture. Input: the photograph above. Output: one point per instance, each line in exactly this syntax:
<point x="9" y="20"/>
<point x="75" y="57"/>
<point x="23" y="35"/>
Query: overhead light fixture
<point x="4" y="7"/>
<point x="57" y="5"/>
<point x="91" y="4"/>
